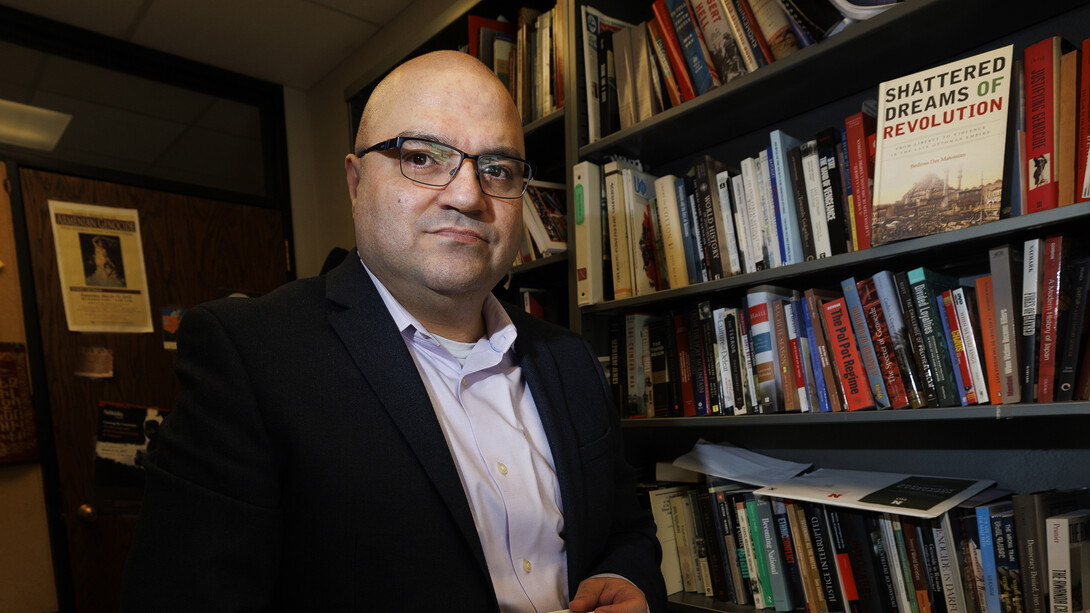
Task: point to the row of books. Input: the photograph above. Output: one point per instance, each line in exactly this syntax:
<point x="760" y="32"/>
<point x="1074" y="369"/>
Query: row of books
<point x="996" y="552"/>
<point x="688" y="48"/>
<point x="544" y="221"/>
<point x="908" y="339"/>
<point x="915" y="169"/>
<point x="528" y="56"/>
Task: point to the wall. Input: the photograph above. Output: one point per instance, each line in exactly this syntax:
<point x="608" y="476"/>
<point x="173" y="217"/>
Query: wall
<point x="318" y="131"/>
<point x="26" y="565"/>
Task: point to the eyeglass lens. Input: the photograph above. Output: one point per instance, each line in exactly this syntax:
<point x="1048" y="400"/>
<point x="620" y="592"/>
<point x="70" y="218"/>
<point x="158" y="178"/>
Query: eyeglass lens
<point x="434" y="164"/>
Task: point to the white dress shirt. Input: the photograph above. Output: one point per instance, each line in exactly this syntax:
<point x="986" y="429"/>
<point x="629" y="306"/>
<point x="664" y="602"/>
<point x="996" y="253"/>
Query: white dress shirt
<point x="495" y="436"/>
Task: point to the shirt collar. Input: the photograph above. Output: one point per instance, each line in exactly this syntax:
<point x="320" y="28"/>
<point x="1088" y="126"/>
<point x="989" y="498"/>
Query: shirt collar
<point x="499" y="329"/>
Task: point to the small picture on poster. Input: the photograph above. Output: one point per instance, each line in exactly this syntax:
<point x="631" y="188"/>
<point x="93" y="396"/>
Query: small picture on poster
<point x="124" y="432"/>
<point x="172" y="318"/>
<point x="100" y="258"/>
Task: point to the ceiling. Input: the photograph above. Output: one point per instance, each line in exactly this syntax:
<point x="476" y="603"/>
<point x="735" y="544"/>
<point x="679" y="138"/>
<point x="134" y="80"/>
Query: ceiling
<point x="290" y="42"/>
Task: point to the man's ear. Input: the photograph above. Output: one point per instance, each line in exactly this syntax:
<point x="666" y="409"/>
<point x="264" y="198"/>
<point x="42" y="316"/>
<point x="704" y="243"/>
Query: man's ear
<point x="352" y="166"/>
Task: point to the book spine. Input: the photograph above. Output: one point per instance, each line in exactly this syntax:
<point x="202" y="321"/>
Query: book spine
<point x="658" y="46"/>
<point x="760" y="552"/>
<point x="608" y="104"/>
<point x="758" y="239"/>
<point x="740" y="208"/>
<point x="1005" y="281"/>
<point x="618" y="235"/>
<point x="774" y="208"/>
<point x="923" y="294"/>
<point x="946" y="553"/>
<point x="729" y="319"/>
<point x="881" y="337"/>
<point x="724" y="223"/>
<point x="754" y="36"/>
<point x="618" y="380"/>
<point x="718" y="35"/>
<point x="1032" y="277"/>
<point x="831" y="192"/>
<point x="786" y="372"/>
<point x="776" y="27"/>
<point x="859" y="128"/>
<point x="587" y="177"/>
<point x="717" y="572"/>
<point x="915" y="338"/>
<point x="989" y="345"/>
<point x="745" y="50"/>
<point x="685" y="29"/>
<point x="817" y="349"/>
<point x="945" y="304"/>
<point x="684" y="363"/>
<point x="678" y="511"/>
<point x="778" y="579"/>
<point x="900" y="337"/>
<point x="712" y="368"/>
<point x="834" y="393"/>
<point x="673" y="49"/>
<point x="968" y="325"/>
<point x="697" y="364"/>
<point x="857" y="395"/>
<point x="706" y="220"/>
<point x="815" y="199"/>
<point x="987" y="558"/>
<point x="1041" y="65"/>
<point x="1073" y="334"/>
<point x="866" y="346"/>
<point x="1052" y="271"/>
<point x="1082" y="146"/>
<point x="797" y="183"/>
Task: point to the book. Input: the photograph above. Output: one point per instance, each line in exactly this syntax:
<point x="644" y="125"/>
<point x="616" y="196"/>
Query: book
<point x="618" y="222"/>
<point x="926" y="284"/>
<point x="833" y="195"/>
<point x="713" y="372"/>
<point x="726" y="219"/>
<point x="587" y="189"/>
<point x="594" y="22"/>
<point x="964" y="300"/>
<point x="638" y="366"/>
<point x="766" y="359"/>
<point x="1068" y="549"/>
<point x="989" y="345"/>
<point x="698" y="362"/>
<point x="958" y="358"/>
<point x="988" y="559"/>
<point x="673" y="241"/>
<point x="782" y="595"/>
<point x="639" y="196"/>
<point x="1053" y="299"/>
<point x="690" y="231"/>
<point x="881" y="338"/>
<point x="853" y="538"/>
<point x="712" y="232"/>
<point x="858" y="129"/>
<point x="1030" y="512"/>
<point x="662" y="513"/>
<point x="1006" y="274"/>
<point x="722" y="46"/>
<point x="1032" y="279"/>
<point x="759" y="237"/>
<point x="685" y="373"/>
<point x="740" y="207"/>
<point x="915" y="337"/>
<point x="783" y="198"/>
<point x="714" y="565"/>
<point x="856" y="389"/>
<point x="609" y="91"/>
<point x="702" y="76"/>
<point x="755" y="37"/>
<point x="545" y="214"/>
<point x="817" y="354"/>
<point x="805" y="556"/>
<point x="664" y="401"/>
<point x="900" y="571"/>
<point x="822" y="345"/>
<point x="815" y="198"/>
<point x="751" y="56"/>
<point x="797" y="176"/>
<point x="681" y="514"/>
<point x="770" y="217"/>
<point x="787" y="372"/>
<point x="900" y="337"/>
<point x="1042" y="91"/>
<point x="940" y="147"/>
<point x="730" y="376"/>
<point x="1082" y="145"/>
<point x="763" y="597"/>
<point x="1067" y="130"/>
<point x="662" y="60"/>
<point x="775" y="27"/>
<point x="865" y="344"/>
<point x="721" y="493"/>
<point x="1074" y="333"/>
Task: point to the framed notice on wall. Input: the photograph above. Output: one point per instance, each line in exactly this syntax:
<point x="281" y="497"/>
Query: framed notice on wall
<point x="100" y="257"/>
<point x="18" y="438"/>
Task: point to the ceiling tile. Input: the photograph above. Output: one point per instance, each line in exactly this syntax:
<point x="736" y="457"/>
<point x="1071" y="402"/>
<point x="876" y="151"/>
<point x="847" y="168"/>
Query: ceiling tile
<point x="111" y="18"/>
<point x="378" y="12"/>
<point x="292" y="42"/>
<point x="233" y="118"/>
<point x="111" y="88"/>
<point x="213" y="158"/>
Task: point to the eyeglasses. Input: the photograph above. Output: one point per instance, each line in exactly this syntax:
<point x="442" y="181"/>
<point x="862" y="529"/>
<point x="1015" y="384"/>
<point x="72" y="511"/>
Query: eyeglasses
<point x="430" y="163"/>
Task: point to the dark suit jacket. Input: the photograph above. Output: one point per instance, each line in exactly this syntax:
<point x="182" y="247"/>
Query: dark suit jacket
<point x="303" y="468"/>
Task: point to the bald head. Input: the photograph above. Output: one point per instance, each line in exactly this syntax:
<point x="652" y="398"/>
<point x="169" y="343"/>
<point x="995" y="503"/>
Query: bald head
<point x="429" y="79"/>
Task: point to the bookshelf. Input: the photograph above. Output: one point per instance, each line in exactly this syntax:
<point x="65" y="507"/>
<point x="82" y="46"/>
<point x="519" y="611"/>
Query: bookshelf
<point x="1023" y="447"/>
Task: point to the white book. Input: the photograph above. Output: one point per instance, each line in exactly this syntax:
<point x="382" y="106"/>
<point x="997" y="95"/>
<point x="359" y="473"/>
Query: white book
<point x="758" y="244"/>
<point x="623" y="279"/>
<point x="673" y="243"/>
<point x="1067" y="543"/>
<point x="794" y="339"/>
<point x="787" y="215"/>
<point x="593" y="23"/>
<point x="726" y="380"/>
<point x="815" y="199"/>
<point x="969" y="342"/>
<point x="741" y="222"/>
<point x="683" y="535"/>
<point x="766" y="360"/>
<point x="587" y="182"/>
<point x="769" y="222"/>
<point x="725" y="218"/>
<point x="664" y="530"/>
<point x="639" y="195"/>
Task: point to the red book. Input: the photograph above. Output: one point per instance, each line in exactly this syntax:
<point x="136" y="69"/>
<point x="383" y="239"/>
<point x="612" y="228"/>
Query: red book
<point x="1042" y="83"/>
<point x="673" y="49"/>
<point x="986" y="312"/>
<point x="477" y="23"/>
<point x="1053" y="266"/>
<point x="787" y="376"/>
<point x="1083" y="145"/>
<point x="859" y="131"/>
<point x="684" y="366"/>
<point x="959" y="347"/>
<point x="883" y="343"/>
<point x="849" y="364"/>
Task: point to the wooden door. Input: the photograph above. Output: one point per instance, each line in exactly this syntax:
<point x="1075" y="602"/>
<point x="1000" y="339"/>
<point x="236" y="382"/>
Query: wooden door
<point x="194" y="250"/>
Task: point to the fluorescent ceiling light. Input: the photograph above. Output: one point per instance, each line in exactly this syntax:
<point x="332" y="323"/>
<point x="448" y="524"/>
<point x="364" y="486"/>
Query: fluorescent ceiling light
<point x="30" y="126"/>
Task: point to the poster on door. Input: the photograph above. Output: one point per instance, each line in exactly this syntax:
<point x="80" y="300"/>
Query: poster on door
<point x="121" y="446"/>
<point x="100" y="257"/>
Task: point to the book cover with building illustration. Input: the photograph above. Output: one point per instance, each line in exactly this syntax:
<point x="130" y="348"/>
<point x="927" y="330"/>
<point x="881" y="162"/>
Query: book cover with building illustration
<point x="940" y="147"/>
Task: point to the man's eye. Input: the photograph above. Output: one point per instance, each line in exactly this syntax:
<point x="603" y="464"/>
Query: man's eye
<point x="419" y="159"/>
<point x="495" y="171"/>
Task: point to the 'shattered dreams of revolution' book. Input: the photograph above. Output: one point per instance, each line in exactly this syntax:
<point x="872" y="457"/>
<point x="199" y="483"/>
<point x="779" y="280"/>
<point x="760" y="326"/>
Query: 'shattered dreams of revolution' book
<point x="939" y="147"/>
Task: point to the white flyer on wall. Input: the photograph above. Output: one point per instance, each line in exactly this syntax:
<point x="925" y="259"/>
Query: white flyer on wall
<point x="100" y="259"/>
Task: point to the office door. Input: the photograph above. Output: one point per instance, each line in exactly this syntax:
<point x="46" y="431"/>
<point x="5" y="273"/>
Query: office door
<point x="194" y="250"/>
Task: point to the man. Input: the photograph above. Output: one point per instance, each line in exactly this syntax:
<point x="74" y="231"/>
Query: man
<point x="387" y="436"/>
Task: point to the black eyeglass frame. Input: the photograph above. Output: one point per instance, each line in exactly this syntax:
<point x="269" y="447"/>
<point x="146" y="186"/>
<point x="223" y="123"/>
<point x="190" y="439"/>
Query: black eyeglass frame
<point x="395" y="144"/>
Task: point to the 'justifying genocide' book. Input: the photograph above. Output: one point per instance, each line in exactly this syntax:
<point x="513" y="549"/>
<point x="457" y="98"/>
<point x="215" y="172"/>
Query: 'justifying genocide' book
<point x="940" y="147"/>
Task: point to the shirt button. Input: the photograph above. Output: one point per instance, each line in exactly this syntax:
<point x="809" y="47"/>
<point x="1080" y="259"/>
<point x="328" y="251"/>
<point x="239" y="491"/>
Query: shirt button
<point x="500" y="466"/>
<point x="526" y="566"/>
<point x="465" y="383"/>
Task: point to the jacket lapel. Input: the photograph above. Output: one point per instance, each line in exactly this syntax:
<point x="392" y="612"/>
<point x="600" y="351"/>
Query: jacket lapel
<point x="370" y="336"/>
